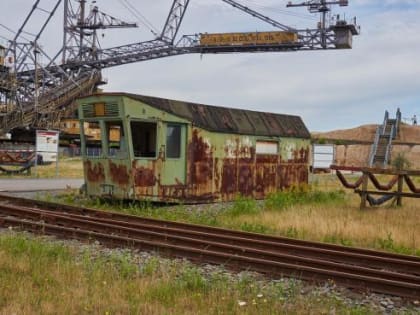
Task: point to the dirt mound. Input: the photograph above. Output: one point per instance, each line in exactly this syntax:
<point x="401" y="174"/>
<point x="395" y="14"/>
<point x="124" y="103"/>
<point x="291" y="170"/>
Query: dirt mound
<point x="407" y="134"/>
<point x="361" y="133"/>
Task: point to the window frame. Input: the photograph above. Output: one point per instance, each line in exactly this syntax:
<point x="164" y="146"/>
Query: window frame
<point x="122" y="150"/>
<point x="132" y="144"/>
<point x="179" y="126"/>
<point x="274" y="142"/>
<point x="84" y="136"/>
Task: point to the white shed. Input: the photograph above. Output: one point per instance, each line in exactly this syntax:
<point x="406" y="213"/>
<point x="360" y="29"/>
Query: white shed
<point x="323" y="155"/>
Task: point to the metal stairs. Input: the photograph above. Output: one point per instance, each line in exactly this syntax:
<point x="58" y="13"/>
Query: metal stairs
<point x="381" y="149"/>
<point x="54" y="105"/>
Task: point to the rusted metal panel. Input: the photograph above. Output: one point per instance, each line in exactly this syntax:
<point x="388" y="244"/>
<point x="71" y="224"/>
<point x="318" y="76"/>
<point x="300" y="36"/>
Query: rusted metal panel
<point x="145" y="178"/>
<point x="228" y="187"/>
<point x="266" y="174"/>
<point x="95" y="172"/>
<point x="245" y="177"/>
<point x="119" y="174"/>
<point x="201" y="166"/>
<point x="106" y="177"/>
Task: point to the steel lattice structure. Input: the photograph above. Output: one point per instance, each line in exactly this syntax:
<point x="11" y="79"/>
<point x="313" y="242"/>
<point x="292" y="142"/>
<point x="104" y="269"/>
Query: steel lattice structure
<point x="39" y="96"/>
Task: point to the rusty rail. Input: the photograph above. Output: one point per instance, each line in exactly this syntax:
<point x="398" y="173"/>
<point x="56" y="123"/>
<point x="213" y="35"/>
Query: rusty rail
<point x="378" y="272"/>
<point x="382" y="190"/>
<point x="139" y="222"/>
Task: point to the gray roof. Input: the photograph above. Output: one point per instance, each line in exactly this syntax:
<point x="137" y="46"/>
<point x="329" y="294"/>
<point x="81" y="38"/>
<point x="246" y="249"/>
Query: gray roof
<point x="229" y="120"/>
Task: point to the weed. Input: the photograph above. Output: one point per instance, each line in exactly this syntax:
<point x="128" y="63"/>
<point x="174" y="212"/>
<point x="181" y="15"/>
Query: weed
<point x="387" y="243"/>
<point x="151" y="266"/>
<point x="246" y="284"/>
<point x="254" y="228"/>
<point x="243" y="206"/>
<point x="292" y="232"/>
<point x="302" y="195"/>
<point x="19" y="246"/>
<point x="400" y="162"/>
<point x="39" y="278"/>
<point x="125" y="266"/>
<point x="191" y="279"/>
<point x="337" y="239"/>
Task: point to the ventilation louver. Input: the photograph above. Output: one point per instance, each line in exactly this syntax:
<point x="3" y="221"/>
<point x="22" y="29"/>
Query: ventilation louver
<point x="100" y="110"/>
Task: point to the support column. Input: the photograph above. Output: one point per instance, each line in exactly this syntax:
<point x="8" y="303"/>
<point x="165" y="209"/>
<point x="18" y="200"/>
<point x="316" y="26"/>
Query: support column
<point x="363" y="195"/>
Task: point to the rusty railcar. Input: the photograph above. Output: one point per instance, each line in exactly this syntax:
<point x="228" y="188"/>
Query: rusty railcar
<point x="184" y="152"/>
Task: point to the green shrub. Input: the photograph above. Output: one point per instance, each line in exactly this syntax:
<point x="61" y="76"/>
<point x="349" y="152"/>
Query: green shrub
<point x="400" y="162"/>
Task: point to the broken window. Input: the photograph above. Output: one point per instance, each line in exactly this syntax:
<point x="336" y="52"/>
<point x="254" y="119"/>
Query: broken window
<point x="143" y="135"/>
<point x="173" y="141"/>
<point x="92" y="145"/>
<point x="115" y="138"/>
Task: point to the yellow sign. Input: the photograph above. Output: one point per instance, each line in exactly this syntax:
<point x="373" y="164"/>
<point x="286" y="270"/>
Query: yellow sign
<point x="254" y="38"/>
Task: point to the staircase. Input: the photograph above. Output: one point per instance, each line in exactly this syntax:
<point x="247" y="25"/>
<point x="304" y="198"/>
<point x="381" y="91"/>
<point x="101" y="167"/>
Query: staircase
<point x="381" y="149"/>
<point x="52" y="106"/>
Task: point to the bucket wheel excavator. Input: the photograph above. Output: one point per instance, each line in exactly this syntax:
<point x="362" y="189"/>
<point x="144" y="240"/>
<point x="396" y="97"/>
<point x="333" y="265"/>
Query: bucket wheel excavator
<point x="35" y="95"/>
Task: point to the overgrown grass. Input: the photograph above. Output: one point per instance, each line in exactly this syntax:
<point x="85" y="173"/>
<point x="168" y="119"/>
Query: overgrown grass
<point x="302" y="195"/>
<point x="327" y="215"/>
<point x="67" y="168"/>
<point x="38" y="277"/>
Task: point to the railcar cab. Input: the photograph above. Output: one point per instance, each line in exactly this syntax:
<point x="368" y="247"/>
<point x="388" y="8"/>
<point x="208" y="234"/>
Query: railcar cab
<point x="131" y="150"/>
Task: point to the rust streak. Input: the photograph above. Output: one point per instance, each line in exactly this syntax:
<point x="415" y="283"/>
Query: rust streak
<point x="119" y="174"/>
<point x="143" y="177"/>
<point x="201" y="165"/>
<point x="94" y="173"/>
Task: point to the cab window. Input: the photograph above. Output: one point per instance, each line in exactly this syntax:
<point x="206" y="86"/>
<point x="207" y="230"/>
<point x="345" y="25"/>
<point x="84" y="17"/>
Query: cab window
<point x="144" y="135"/>
<point x="173" y="141"/>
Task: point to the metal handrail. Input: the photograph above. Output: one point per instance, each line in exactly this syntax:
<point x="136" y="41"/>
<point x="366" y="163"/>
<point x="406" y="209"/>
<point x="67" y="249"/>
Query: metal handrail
<point x="398" y="121"/>
<point x="389" y="145"/>
<point x="385" y="118"/>
<point x="374" y="146"/>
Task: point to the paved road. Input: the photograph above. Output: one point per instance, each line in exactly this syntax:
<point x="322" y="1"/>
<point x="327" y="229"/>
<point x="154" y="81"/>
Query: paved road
<point x="33" y="184"/>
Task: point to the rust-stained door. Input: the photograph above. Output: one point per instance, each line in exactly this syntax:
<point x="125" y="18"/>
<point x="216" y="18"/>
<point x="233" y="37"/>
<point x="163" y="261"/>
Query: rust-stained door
<point x="106" y="166"/>
<point x="146" y="163"/>
<point x="174" y="167"/>
<point x="117" y="168"/>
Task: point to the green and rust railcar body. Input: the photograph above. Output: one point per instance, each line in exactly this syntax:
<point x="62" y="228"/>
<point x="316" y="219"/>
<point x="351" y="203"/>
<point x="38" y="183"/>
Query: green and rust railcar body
<point x="191" y="153"/>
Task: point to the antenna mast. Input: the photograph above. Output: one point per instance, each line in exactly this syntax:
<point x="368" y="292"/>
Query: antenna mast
<point x="322" y="7"/>
<point x="80" y="40"/>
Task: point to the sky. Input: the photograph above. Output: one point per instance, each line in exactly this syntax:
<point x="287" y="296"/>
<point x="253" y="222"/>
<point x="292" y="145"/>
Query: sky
<point x="330" y="90"/>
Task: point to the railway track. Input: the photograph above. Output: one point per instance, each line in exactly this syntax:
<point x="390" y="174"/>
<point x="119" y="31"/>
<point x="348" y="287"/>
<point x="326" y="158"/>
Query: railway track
<point x="355" y="268"/>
